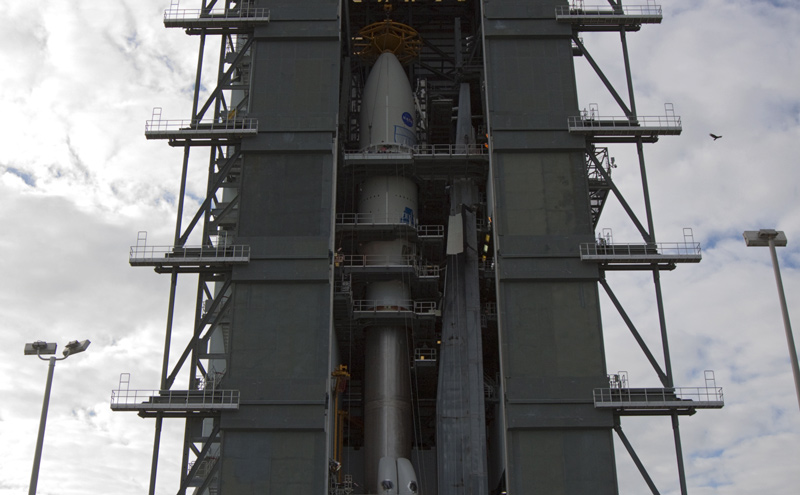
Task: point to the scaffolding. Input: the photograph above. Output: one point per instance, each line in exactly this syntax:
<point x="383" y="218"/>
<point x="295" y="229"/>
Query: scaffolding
<point x="217" y="125"/>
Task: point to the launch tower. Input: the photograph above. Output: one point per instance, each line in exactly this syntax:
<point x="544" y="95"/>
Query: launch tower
<point x="398" y="270"/>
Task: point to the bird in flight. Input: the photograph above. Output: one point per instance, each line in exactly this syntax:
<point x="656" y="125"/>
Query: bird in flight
<point x="714" y="136"/>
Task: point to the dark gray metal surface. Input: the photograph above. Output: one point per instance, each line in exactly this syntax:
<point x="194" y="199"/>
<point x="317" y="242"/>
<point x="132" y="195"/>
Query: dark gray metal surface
<point x="280" y="324"/>
<point x="460" y="417"/>
<point x="548" y="310"/>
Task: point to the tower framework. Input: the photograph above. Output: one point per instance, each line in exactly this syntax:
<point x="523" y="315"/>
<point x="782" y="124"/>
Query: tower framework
<point x="416" y="285"/>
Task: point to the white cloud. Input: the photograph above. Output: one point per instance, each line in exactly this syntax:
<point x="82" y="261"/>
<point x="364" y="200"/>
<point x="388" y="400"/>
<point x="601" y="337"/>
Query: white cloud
<point x="79" y="180"/>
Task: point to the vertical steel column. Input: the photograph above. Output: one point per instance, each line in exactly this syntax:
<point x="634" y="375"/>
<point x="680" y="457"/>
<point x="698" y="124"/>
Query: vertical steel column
<point x="676" y="432"/>
<point x="174" y="275"/>
<point x="154" y="462"/>
<point x="164" y="373"/>
<point x="656" y="275"/>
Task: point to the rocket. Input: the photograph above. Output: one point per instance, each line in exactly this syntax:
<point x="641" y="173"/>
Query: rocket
<point x="388" y="126"/>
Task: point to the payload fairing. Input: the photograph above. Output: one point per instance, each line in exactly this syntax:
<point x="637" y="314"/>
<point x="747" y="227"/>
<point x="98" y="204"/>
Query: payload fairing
<point x="387" y="107"/>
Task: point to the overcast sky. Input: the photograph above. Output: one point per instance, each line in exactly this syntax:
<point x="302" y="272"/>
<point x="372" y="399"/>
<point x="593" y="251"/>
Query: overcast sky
<point x="79" y="80"/>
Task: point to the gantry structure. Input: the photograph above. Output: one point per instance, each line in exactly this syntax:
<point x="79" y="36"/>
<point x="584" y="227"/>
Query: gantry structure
<point x="490" y="306"/>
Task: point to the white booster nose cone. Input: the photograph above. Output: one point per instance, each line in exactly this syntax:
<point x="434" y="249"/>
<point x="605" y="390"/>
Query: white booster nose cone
<point x="387" y="107"/>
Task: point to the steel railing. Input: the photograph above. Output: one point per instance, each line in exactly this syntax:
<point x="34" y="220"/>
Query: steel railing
<point x="368" y="219"/>
<point x="217" y="14"/>
<point x="430" y="230"/>
<point x="174" y="399"/>
<point x="659" y="397"/>
<point x="622" y="122"/>
<point x="394" y="306"/>
<point x="661" y="249"/>
<point x="190" y="126"/>
<point x="603" y="10"/>
<point x="425" y="354"/>
<point x="425" y="150"/>
<point x="450" y="149"/>
<point x="428" y="271"/>
<point x="389" y="262"/>
<point x="178" y="254"/>
<point x="366" y="260"/>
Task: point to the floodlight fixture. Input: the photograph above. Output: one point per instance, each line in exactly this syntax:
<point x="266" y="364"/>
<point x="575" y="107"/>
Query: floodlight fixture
<point x="761" y="238"/>
<point x="40" y="347"/>
<point x="75" y="347"/>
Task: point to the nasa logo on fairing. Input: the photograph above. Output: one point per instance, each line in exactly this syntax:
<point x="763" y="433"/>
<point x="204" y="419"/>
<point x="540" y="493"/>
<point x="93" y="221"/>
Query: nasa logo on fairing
<point x="408" y="119"/>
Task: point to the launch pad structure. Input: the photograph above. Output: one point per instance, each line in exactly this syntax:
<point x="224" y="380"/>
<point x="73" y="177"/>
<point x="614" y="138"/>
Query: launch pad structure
<point x="398" y="267"/>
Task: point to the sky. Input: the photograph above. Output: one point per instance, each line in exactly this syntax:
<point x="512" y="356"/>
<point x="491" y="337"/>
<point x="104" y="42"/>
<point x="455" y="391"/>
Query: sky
<point x="80" y="180"/>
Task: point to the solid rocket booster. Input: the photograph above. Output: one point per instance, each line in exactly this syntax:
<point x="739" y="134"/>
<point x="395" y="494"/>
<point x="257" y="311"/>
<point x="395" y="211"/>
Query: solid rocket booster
<point x="387" y="107"/>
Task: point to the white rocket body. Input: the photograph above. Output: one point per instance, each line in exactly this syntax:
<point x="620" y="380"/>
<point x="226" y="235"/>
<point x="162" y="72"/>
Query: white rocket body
<point x="387" y="107"/>
<point x="389" y="199"/>
<point x="388" y="126"/>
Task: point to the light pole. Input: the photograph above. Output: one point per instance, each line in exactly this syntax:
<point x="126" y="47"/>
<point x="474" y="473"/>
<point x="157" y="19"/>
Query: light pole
<point x="772" y="238"/>
<point x="38" y="348"/>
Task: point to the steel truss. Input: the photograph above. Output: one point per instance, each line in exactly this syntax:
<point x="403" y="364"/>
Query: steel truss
<point x="217" y="123"/>
<point x="616" y="18"/>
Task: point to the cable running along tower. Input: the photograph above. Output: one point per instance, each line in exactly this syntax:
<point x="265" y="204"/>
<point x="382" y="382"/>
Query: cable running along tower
<point x="397" y="263"/>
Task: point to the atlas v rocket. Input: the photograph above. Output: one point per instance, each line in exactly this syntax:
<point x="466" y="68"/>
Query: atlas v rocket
<point x="387" y="123"/>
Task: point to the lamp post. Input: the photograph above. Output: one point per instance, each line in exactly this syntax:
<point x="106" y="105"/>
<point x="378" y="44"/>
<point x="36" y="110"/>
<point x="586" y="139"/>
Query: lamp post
<point x="772" y="238"/>
<point x="38" y="348"/>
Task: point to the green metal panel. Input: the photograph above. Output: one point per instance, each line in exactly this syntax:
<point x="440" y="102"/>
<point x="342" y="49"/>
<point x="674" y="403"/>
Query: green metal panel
<point x="556" y="333"/>
<point x="285" y="195"/>
<point x="273" y="462"/>
<point x="280" y="330"/>
<point x="550" y="330"/>
<point x="279" y="341"/>
<point x="542" y="194"/>
<point x="296" y="85"/>
<point x="539" y="77"/>
<point x="558" y="462"/>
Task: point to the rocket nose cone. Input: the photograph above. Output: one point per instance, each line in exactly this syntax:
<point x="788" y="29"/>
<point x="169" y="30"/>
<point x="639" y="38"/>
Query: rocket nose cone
<point x="387" y="107"/>
<point x="388" y="58"/>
